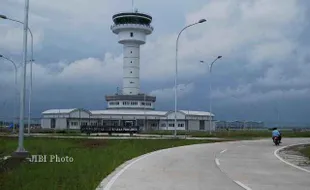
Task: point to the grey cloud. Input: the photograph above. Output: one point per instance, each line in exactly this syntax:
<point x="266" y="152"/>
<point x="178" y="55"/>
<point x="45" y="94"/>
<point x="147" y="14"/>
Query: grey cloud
<point x="259" y="40"/>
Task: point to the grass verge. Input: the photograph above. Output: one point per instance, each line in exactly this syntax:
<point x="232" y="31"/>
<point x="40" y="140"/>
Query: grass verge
<point x="93" y="160"/>
<point x="306" y="151"/>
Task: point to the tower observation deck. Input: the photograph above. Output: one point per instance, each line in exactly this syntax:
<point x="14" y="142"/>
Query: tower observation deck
<point x="132" y="29"/>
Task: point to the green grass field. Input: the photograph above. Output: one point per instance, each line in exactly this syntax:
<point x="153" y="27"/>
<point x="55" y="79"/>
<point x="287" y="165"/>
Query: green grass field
<point x="232" y="134"/>
<point x="306" y="151"/>
<point x="93" y="161"/>
<point x="240" y="134"/>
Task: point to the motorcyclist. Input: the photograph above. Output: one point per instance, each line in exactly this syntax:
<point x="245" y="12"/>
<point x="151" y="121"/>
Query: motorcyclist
<point x="276" y="133"/>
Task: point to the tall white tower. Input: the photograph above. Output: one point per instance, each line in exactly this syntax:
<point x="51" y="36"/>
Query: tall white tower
<point x="131" y="28"/>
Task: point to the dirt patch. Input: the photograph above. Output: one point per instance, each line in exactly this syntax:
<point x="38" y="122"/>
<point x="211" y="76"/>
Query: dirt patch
<point x="10" y="163"/>
<point x="94" y="143"/>
<point x="294" y="155"/>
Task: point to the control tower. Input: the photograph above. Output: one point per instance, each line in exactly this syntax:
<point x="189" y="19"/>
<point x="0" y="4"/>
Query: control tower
<point x="132" y="29"/>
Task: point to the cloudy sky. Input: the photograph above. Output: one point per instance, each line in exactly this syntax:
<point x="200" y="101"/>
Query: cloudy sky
<point x="264" y="44"/>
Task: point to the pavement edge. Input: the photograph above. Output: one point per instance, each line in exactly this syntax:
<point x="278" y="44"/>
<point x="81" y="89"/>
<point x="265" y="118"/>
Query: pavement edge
<point x="288" y="163"/>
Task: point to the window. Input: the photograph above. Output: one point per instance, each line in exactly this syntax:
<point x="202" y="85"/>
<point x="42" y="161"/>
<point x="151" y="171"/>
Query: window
<point x="131" y="82"/>
<point x="171" y="124"/>
<point x="130" y="61"/>
<point x="134" y="103"/>
<point x="163" y="125"/>
<point x="130" y="71"/>
<point x="114" y="103"/>
<point x="125" y="103"/>
<point x="180" y="125"/>
<point x="131" y="34"/>
<point x="74" y="123"/>
<point x="130" y="51"/>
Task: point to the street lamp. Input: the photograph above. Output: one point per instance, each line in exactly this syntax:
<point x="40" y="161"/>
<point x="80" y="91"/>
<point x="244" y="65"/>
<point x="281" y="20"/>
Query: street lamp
<point x="176" y="75"/>
<point x="210" y="89"/>
<point x="145" y="128"/>
<point x="31" y="61"/>
<point x="15" y="68"/>
<point x="21" y="151"/>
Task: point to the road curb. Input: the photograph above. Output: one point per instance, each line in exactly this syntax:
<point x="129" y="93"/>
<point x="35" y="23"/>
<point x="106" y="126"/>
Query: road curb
<point x="276" y="153"/>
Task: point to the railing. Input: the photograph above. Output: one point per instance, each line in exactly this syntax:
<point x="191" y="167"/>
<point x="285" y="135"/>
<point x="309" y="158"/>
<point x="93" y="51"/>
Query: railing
<point x="145" y="25"/>
<point x="88" y="129"/>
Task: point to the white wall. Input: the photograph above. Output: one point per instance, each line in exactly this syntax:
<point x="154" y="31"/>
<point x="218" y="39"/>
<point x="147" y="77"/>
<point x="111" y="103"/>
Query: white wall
<point x="61" y="123"/>
<point x="139" y="37"/>
<point x="46" y="123"/>
<point x="193" y="125"/>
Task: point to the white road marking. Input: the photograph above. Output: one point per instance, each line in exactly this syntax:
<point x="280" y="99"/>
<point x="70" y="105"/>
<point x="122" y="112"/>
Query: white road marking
<point x="242" y="185"/>
<point x="217" y="161"/>
<point x="114" y="178"/>
<point x="276" y="154"/>
<point x="223" y="151"/>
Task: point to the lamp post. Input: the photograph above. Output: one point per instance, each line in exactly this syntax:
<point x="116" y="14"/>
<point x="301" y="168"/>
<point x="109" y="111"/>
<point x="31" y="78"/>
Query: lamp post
<point x="176" y="74"/>
<point x="15" y="81"/>
<point x="145" y="128"/>
<point x="31" y="61"/>
<point x="210" y="89"/>
<point x="21" y="151"/>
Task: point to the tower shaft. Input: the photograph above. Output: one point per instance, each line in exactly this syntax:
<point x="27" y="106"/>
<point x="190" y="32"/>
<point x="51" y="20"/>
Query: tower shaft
<point x="131" y="69"/>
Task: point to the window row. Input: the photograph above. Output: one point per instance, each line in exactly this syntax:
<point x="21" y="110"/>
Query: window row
<point x="130" y="103"/>
<point x="172" y="125"/>
<point x="114" y="103"/>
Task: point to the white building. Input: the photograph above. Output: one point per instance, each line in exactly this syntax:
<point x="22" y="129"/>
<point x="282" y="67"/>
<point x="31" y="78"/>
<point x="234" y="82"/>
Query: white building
<point x="129" y="107"/>
<point x="151" y="120"/>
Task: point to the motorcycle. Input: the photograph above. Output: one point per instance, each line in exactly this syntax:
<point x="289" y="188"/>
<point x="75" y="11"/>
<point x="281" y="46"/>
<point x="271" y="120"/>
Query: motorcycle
<point x="276" y="141"/>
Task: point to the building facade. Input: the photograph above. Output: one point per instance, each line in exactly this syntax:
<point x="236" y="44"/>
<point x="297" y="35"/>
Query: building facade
<point x="146" y="120"/>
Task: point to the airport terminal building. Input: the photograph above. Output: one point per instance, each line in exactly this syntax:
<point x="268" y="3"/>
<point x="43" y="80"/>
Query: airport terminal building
<point x="146" y="120"/>
<point x="129" y="107"/>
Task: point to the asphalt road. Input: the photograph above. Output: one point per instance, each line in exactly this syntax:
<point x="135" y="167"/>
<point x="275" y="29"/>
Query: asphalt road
<point x="249" y="165"/>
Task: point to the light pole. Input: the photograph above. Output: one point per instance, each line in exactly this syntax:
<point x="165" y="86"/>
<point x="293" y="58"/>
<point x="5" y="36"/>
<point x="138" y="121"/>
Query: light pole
<point x="15" y="68"/>
<point x="31" y="61"/>
<point x="145" y="128"/>
<point x="210" y="89"/>
<point x="176" y="74"/>
<point x="21" y="151"/>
